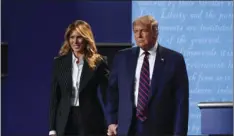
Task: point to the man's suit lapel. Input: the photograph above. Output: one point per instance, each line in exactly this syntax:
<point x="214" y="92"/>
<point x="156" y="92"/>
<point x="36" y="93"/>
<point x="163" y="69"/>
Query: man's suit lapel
<point x="157" y="72"/>
<point x="86" y="75"/>
<point x="131" y="68"/>
<point x="132" y="62"/>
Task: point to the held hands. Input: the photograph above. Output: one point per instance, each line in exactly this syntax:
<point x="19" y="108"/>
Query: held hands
<point x="112" y="130"/>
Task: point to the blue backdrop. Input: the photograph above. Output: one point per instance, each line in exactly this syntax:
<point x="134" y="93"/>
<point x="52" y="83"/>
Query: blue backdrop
<point x="203" y="32"/>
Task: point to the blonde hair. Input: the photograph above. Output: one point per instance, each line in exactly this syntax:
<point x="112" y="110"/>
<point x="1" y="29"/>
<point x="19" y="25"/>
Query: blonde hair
<point x="90" y="51"/>
<point x="148" y="21"/>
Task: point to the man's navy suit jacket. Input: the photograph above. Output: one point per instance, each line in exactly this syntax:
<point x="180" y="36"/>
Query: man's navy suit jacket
<point x="168" y="104"/>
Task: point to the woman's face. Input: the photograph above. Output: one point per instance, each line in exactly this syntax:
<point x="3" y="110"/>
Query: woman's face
<point x="77" y="42"/>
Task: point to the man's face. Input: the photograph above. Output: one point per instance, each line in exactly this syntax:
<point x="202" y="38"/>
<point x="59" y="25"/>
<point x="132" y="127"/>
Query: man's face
<point x="143" y="35"/>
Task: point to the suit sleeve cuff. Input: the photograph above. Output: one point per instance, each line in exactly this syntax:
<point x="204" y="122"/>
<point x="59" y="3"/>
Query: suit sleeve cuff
<point x="112" y="120"/>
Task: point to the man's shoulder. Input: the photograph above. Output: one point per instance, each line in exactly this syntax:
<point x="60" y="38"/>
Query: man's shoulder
<point x="127" y="50"/>
<point x="171" y="52"/>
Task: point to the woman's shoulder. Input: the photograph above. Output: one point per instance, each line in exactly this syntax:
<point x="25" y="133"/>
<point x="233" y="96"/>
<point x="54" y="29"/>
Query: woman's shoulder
<point x="59" y="57"/>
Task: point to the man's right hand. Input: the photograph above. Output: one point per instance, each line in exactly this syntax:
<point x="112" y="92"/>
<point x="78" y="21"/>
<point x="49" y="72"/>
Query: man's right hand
<point x="112" y="130"/>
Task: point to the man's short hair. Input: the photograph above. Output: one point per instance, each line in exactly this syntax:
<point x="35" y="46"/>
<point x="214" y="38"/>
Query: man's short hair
<point x="148" y="21"/>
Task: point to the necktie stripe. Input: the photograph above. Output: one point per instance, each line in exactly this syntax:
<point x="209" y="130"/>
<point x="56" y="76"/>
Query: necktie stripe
<point x="139" y="112"/>
<point x="145" y="64"/>
<point x="143" y="92"/>
<point x="144" y="81"/>
<point x="145" y="70"/>
<point x="144" y="88"/>
<point x="143" y="96"/>
<point x="144" y="75"/>
<point x="140" y="107"/>
<point x="143" y="101"/>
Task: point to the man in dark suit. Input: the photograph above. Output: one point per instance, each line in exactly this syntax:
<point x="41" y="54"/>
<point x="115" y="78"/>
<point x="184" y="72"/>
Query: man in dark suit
<point x="148" y="87"/>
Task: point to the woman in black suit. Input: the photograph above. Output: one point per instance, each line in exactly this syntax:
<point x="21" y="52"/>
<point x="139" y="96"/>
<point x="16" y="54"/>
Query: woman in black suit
<point x="78" y="72"/>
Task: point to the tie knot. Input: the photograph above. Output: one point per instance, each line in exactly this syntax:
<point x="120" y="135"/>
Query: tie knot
<point x="146" y="53"/>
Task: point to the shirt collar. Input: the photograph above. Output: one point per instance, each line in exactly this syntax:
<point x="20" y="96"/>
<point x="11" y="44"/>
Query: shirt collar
<point x="74" y="59"/>
<point x="152" y="51"/>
